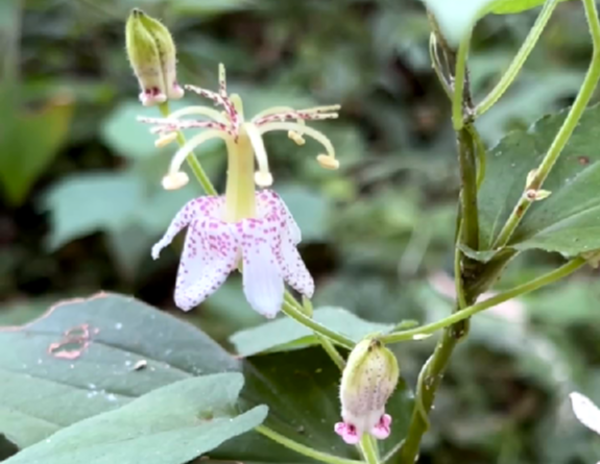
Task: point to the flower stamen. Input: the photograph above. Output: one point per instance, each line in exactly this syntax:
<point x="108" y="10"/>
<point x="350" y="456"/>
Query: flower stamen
<point x="262" y="177"/>
<point x="327" y="161"/>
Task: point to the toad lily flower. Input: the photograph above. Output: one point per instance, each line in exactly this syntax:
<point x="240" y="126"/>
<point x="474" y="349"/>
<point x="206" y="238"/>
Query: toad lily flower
<point x="369" y="379"/>
<point x="243" y="138"/>
<point x="254" y="229"/>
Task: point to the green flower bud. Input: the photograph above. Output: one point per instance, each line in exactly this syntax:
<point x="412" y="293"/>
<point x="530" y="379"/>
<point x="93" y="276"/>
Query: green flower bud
<point x="152" y="55"/>
<point x="369" y="379"/>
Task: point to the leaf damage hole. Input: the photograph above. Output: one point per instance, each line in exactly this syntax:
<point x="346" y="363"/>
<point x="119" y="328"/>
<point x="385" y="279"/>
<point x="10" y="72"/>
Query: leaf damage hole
<point x="73" y="343"/>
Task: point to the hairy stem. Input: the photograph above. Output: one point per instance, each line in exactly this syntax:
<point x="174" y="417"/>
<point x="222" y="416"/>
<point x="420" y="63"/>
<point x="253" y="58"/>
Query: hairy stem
<point x="369" y="449"/>
<point x="302" y="449"/>
<point x="542" y="281"/>
<point x="517" y="63"/>
<point x="565" y="131"/>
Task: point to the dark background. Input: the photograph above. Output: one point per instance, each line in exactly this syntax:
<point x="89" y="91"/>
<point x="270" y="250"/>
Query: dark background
<point x="81" y="202"/>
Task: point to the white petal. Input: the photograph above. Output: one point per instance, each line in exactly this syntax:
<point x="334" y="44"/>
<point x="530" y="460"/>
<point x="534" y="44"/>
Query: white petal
<point x="267" y="201"/>
<point x="192" y="209"/>
<point x="586" y="411"/>
<point x="271" y="206"/>
<point x="263" y="281"/>
<point x="209" y="255"/>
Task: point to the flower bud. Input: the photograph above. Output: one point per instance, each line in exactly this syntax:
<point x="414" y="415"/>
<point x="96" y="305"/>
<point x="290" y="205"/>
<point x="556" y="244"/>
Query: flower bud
<point x="369" y="379"/>
<point x="151" y="52"/>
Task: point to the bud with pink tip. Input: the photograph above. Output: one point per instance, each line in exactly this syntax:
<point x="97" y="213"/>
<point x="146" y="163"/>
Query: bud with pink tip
<point x="369" y="379"/>
<point x="151" y="51"/>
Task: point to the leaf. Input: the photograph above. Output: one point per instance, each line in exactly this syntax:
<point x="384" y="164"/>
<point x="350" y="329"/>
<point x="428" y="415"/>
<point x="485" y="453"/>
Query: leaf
<point x="121" y="332"/>
<point x="85" y="203"/>
<point x="456" y="17"/>
<point x="277" y="335"/>
<point x="514" y="6"/>
<point x="171" y="425"/>
<point x="568" y="221"/>
<point x="29" y="142"/>
<point x="301" y="389"/>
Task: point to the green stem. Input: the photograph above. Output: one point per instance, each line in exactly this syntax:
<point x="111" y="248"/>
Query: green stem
<point x="468" y="174"/>
<point x="192" y="161"/>
<point x="518" y="61"/>
<point x="433" y="370"/>
<point x="331" y="350"/>
<point x="535" y="284"/>
<point x="299" y="316"/>
<point x="564" y="133"/>
<point x="302" y="449"/>
<point x="459" y="83"/>
<point x="369" y="449"/>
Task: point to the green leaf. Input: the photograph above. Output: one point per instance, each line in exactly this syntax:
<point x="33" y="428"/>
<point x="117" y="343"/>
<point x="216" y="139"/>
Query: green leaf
<point x="28" y="143"/>
<point x="171" y="425"/>
<point x="85" y="203"/>
<point x="301" y="389"/>
<point x="568" y="221"/>
<point x="514" y="6"/>
<point x="456" y="17"/>
<point x="279" y="334"/>
<point x="121" y="333"/>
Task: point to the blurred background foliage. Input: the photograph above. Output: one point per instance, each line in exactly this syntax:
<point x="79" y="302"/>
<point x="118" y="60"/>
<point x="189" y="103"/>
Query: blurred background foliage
<point x="81" y="201"/>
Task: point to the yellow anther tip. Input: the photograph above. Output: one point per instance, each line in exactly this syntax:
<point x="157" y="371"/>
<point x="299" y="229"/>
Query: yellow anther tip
<point x="328" y="162"/>
<point x="296" y="137"/>
<point x="263" y="179"/>
<point x="175" y="180"/>
<point x="165" y="140"/>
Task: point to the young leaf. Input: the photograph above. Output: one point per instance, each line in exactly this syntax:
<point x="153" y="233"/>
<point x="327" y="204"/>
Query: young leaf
<point x="456" y="17"/>
<point x="285" y="333"/>
<point x="568" y="221"/>
<point x="171" y="425"/>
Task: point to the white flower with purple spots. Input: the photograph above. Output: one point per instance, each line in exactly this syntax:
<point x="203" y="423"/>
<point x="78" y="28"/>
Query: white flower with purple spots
<point x="214" y="247"/>
<point x="243" y="228"/>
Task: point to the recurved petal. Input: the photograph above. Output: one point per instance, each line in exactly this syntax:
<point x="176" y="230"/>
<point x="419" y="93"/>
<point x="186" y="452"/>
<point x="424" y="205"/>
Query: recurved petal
<point x="209" y="255"/>
<point x="262" y="276"/>
<point x="192" y="210"/>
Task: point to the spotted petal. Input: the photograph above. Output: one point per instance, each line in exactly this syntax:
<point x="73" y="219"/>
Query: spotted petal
<point x="293" y="269"/>
<point x="263" y="279"/>
<point x="209" y="253"/>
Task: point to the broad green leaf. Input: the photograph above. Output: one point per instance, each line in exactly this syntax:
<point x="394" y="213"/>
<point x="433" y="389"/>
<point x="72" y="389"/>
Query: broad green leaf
<point x="569" y="220"/>
<point x="28" y="143"/>
<point x="171" y="425"/>
<point x="514" y="6"/>
<point x="86" y="203"/>
<point x="299" y="387"/>
<point x="276" y="335"/>
<point x="120" y="333"/>
<point x="21" y="312"/>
